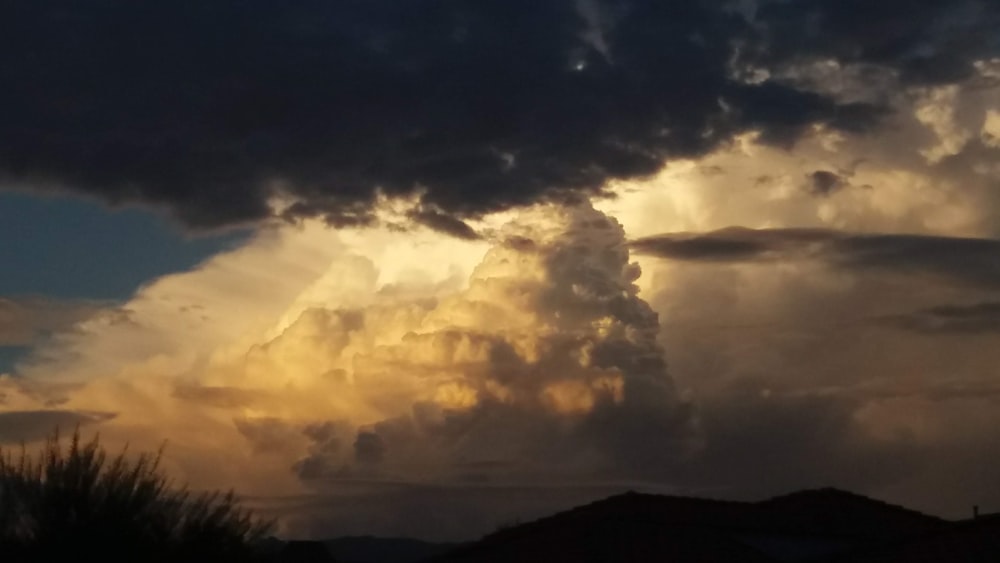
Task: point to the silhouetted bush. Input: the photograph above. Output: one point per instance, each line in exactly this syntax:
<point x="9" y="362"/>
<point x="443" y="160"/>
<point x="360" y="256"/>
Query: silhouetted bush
<point x="76" y="504"/>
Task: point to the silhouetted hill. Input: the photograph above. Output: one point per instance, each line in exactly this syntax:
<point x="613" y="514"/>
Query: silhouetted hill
<point x="820" y="526"/>
<point x="968" y="541"/>
<point x="368" y="549"/>
<point x="618" y="529"/>
<point x="842" y="513"/>
<point x="362" y="549"/>
<point x="304" y="552"/>
<point x="637" y="527"/>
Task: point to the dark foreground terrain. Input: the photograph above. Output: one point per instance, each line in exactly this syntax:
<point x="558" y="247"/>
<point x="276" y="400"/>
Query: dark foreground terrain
<point x="825" y="525"/>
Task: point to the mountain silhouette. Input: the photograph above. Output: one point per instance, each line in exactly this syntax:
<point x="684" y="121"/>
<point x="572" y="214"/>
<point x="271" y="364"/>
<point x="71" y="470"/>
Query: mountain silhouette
<point x="368" y="549"/>
<point x="809" y="525"/>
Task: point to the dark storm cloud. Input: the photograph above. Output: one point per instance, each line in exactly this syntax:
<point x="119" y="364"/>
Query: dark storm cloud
<point x="210" y="108"/>
<point x="925" y="41"/>
<point x="974" y="261"/>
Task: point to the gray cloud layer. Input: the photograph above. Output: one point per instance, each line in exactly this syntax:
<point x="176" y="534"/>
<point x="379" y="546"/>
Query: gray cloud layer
<point x="210" y="110"/>
<point x="977" y="318"/>
<point x="27" y="426"/>
<point x="964" y="260"/>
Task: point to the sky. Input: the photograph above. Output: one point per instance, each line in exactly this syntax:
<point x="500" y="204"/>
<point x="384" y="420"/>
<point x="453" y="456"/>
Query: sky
<point x="427" y="268"/>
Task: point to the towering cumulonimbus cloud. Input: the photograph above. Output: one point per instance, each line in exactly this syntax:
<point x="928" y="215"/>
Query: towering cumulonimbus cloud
<point x="546" y="366"/>
<point x="213" y="111"/>
<point x="543" y="365"/>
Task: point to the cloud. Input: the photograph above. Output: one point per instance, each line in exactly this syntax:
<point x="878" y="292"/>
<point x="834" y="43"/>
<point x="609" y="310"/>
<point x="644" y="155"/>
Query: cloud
<point x="26" y="321"/>
<point x="445" y="224"/>
<point x="368" y="448"/>
<point x="990" y="133"/>
<point x="219" y="396"/>
<point x="825" y="183"/>
<point x="923" y="41"/>
<point x="963" y="260"/>
<point x="937" y="111"/>
<point x="761" y="445"/>
<point x="977" y="318"/>
<point x="732" y="244"/>
<point x="824" y="357"/>
<point x="215" y="112"/>
<point x="402" y="368"/>
<point x="295" y="364"/>
<point x="28" y="426"/>
<point x="547" y="365"/>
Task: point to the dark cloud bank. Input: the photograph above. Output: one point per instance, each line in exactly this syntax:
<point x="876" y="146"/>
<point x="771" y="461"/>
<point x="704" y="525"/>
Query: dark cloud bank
<point x="210" y="108"/>
<point x="971" y="261"/>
